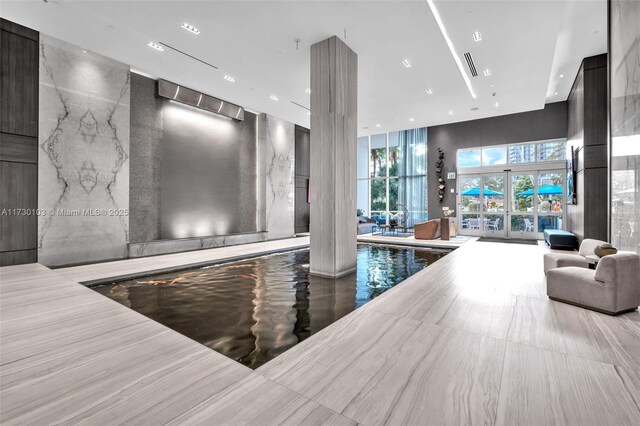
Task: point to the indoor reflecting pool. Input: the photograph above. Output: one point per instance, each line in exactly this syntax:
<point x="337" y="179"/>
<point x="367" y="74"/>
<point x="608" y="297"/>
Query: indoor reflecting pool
<point x="253" y="310"/>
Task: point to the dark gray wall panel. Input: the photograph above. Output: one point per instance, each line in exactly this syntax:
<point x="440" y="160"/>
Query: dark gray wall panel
<point x="8" y="258"/>
<point x="19" y="190"/>
<point x="587" y="128"/>
<point x="547" y="123"/>
<point x="22" y="149"/>
<point x="302" y="171"/>
<point x="19" y="61"/>
<point x="146" y="161"/>
<point x="595" y="203"/>
<point x="208" y="173"/>
<point x="18" y="82"/>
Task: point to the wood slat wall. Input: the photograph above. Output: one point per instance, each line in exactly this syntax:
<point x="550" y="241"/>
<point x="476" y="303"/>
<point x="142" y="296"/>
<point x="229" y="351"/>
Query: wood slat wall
<point x="19" y="61"/>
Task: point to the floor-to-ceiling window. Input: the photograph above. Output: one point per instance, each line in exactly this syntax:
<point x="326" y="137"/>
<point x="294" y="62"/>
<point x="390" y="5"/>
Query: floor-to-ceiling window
<point x="392" y="175"/>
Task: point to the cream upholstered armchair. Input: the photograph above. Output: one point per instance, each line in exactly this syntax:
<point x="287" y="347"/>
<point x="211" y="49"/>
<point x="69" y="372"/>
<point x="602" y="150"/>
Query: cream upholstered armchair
<point x="559" y="260"/>
<point x="612" y="288"/>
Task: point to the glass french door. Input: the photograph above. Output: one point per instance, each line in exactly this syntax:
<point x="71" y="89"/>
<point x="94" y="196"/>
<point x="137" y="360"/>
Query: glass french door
<point x="522" y="200"/>
<point x="482" y="206"/>
<point x="511" y="204"/>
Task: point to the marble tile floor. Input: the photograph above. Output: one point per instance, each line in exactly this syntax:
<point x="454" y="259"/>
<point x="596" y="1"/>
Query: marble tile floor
<point x="470" y="339"/>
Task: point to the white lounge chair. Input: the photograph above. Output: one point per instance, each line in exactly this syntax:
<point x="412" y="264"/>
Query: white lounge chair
<point x="528" y="225"/>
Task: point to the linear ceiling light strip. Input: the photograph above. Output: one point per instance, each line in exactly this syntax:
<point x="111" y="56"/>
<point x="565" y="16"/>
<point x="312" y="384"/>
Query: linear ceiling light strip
<point x="190" y="56"/>
<point x="452" y="49"/>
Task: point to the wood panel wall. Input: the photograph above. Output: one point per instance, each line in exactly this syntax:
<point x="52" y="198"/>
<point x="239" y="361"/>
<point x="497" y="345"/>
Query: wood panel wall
<point x="587" y="133"/>
<point x="19" y="61"/>
<point x="302" y="172"/>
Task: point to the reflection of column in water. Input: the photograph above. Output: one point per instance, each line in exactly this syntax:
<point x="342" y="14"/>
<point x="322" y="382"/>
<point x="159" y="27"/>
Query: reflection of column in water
<point x="273" y="310"/>
<point x="330" y="299"/>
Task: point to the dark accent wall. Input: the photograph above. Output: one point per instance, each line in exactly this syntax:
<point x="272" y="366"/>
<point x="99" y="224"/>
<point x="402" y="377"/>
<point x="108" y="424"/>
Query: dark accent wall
<point x="192" y="173"/>
<point x="145" y="161"/>
<point x="302" y="174"/>
<point x="208" y="174"/>
<point x="547" y="123"/>
<point x="19" y="60"/>
<point x="587" y="134"/>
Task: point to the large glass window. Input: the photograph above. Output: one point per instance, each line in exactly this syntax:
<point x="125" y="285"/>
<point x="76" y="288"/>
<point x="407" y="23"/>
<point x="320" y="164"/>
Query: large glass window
<point x="554" y="150"/>
<point x="378" y="156"/>
<point x="524" y="153"/>
<point x="362" y="161"/>
<point x="469" y="157"/>
<point x="495" y="155"/>
<point x="396" y="181"/>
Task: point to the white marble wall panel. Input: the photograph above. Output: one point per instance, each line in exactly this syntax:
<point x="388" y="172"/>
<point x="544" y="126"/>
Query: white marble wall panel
<point x="83" y="170"/>
<point x="277" y="144"/>
<point x="625" y="124"/>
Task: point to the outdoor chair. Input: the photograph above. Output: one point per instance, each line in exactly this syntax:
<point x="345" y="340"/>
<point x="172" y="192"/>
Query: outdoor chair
<point x="474" y="223"/>
<point x="528" y="225"/>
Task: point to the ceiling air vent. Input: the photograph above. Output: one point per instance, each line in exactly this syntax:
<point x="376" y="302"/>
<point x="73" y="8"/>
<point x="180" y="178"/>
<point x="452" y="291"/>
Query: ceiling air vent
<point x="472" y="66"/>
<point x="184" y="95"/>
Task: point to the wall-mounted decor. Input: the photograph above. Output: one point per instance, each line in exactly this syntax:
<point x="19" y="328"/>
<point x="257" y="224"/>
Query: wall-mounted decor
<point x="451" y="175"/>
<point x="439" y="167"/>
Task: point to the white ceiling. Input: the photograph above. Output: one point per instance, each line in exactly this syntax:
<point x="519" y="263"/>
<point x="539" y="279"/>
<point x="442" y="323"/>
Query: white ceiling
<point x="526" y="44"/>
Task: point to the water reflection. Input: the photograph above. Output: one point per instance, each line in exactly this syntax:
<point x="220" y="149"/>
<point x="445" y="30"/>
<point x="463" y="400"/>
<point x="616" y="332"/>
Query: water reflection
<point x="254" y="310"/>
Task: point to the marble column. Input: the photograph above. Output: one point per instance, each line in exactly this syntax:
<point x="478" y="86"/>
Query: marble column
<point x="334" y="89"/>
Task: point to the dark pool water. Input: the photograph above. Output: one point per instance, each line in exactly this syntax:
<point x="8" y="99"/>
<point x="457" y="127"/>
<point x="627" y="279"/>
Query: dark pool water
<point x="253" y="310"/>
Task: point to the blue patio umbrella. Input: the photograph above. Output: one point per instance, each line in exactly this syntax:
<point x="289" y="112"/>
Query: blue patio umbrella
<point x="476" y="191"/>
<point x="544" y="190"/>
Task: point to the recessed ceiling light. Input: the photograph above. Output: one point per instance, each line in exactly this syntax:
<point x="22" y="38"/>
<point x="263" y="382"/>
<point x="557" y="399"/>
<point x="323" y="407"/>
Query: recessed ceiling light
<point x="561" y="75"/>
<point x="429" y="92"/>
<point x="407" y="63"/>
<point x="84" y="51"/>
<point x="477" y="36"/>
<point x="155" y="46"/>
<point x="191" y="28"/>
<point x="229" y="78"/>
<point x="486" y="72"/>
<point x="450" y="112"/>
<point x="378" y="125"/>
<point x="273" y="97"/>
<point x="411" y="119"/>
<point x="308" y="91"/>
<point x="556" y="93"/>
<point x="309" y="113"/>
<point x="452" y="49"/>
<point x="496" y="105"/>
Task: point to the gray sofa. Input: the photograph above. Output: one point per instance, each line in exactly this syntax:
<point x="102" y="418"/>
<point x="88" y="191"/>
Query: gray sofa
<point x="612" y="288"/>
